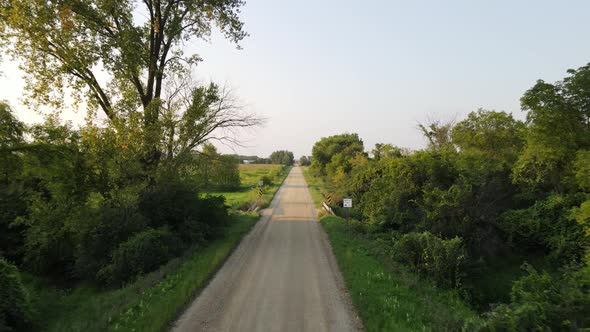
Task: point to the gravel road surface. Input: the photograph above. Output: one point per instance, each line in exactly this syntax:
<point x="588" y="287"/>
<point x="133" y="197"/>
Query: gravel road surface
<point x="282" y="277"/>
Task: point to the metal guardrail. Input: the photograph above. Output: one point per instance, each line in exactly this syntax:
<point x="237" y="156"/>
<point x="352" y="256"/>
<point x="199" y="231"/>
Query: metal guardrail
<point x="327" y="208"/>
<point x="253" y="207"/>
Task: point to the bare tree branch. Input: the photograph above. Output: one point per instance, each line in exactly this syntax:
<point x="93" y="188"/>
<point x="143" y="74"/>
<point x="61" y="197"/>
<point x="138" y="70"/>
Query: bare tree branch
<point x="194" y="115"/>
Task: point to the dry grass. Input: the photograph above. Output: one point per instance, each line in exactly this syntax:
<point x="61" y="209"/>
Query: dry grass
<point x="268" y="167"/>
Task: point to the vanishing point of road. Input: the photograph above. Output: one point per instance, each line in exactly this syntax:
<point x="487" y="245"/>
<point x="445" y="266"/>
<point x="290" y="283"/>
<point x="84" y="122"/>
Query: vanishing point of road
<point x="282" y="277"/>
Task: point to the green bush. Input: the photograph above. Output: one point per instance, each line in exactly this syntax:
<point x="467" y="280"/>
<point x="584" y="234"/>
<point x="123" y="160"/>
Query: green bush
<point x="142" y="253"/>
<point x="15" y="308"/>
<point x="442" y="260"/>
<point x="276" y="172"/>
<point x="358" y="226"/>
<point x="208" y="222"/>
<point x="548" y="225"/>
<point x="267" y="180"/>
<point x="49" y="246"/>
<point x="178" y="206"/>
<point x="540" y="302"/>
<point x="101" y="234"/>
<point x="169" y="203"/>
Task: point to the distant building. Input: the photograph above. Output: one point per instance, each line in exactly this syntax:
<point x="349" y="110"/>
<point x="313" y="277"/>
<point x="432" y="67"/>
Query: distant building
<point x="247" y="161"/>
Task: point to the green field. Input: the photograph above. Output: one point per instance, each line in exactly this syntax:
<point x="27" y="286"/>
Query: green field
<point x="249" y="176"/>
<point x="155" y="300"/>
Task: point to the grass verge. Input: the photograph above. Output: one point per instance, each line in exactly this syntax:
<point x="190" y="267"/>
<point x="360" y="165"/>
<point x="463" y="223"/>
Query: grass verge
<point x="386" y="295"/>
<point x="159" y="306"/>
<point x="315" y="185"/>
<point x="149" y="304"/>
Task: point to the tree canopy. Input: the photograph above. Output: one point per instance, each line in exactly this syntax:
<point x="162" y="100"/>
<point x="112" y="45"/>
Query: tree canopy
<point x="137" y="45"/>
<point x="338" y="147"/>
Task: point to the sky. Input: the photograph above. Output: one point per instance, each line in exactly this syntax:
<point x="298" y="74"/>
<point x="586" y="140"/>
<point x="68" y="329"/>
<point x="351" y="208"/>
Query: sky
<point x="378" y="68"/>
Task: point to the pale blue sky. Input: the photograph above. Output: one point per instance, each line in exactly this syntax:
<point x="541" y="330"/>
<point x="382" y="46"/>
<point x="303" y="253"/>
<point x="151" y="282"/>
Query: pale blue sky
<point x="317" y="68"/>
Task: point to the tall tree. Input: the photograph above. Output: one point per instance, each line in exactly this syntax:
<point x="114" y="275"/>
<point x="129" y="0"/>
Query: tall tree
<point x="74" y="43"/>
<point x="115" y="55"/>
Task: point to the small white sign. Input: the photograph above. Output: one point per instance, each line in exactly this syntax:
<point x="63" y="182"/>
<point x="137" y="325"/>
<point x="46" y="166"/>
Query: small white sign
<point x="260" y="183"/>
<point x="347" y="202"/>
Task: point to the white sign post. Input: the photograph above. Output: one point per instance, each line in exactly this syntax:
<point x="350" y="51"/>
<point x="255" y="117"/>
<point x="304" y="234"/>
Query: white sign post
<point x="347" y="204"/>
<point x="260" y="183"/>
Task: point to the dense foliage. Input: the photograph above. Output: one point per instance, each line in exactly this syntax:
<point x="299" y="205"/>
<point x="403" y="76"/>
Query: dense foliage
<point x="443" y="260"/>
<point x="15" y="307"/>
<point x="331" y="155"/>
<point x="305" y="161"/>
<point x="143" y="252"/>
<point x="490" y="193"/>
<point x="82" y="205"/>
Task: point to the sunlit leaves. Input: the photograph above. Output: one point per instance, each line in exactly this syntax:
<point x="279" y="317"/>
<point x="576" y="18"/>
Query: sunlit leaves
<point x="114" y="55"/>
<point x="558" y="125"/>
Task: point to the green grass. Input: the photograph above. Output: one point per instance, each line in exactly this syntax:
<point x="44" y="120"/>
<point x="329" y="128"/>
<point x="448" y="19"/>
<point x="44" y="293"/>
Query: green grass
<point x="386" y="295"/>
<point x="149" y="304"/>
<point x="316" y="186"/>
<point x="249" y="176"/>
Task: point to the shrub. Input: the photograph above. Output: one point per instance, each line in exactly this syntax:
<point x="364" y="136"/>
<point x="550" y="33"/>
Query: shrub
<point x="208" y="223"/>
<point x="142" y="253"/>
<point x="548" y="225"/>
<point x="178" y="206"/>
<point x="101" y="234"/>
<point x="276" y="172"/>
<point x="442" y="260"/>
<point x="360" y="227"/>
<point x="540" y="302"/>
<point x="15" y="308"/>
<point x="169" y="203"/>
<point x="266" y="179"/>
<point x="49" y="246"/>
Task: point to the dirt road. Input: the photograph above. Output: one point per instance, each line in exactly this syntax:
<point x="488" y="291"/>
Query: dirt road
<point x="282" y="277"/>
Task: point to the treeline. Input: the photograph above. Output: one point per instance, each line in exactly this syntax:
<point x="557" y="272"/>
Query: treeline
<point x="251" y="159"/>
<point x="280" y="157"/>
<point x="83" y="205"/>
<point x="490" y="194"/>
